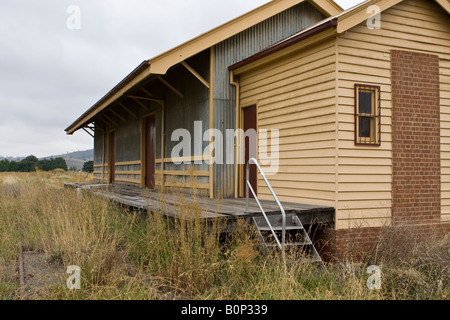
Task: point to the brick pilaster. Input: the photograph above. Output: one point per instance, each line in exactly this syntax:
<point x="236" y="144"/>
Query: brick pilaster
<point x="416" y="186"/>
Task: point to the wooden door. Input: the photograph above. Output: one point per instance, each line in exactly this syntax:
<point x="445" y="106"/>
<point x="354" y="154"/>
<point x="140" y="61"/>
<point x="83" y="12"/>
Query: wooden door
<point x="150" y="147"/>
<point x="250" y="147"/>
<point x="112" y="156"/>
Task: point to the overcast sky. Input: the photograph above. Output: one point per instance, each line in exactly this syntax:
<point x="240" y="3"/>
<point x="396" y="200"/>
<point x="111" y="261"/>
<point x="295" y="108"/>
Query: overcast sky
<point x="50" y="74"/>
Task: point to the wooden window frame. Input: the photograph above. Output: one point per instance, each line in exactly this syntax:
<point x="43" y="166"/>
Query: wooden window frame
<point x="375" y="138"/>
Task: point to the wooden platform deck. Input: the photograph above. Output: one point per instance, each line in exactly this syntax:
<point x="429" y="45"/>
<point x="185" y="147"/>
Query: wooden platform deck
<point x="148" y="200"/>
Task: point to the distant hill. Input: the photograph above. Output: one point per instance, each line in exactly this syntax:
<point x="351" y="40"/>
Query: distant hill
<point x="17" y="159"/>
<point x="75" y="159"/>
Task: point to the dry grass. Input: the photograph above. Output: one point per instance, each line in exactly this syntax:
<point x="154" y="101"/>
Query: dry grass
<point x="135" y="256"/>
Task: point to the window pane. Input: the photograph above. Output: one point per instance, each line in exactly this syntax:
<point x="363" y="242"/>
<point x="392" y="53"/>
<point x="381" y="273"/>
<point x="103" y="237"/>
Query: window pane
<point x="364" y="127"/>
<point x="365" y="102"/>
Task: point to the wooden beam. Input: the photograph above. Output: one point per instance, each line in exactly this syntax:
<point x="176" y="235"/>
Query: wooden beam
<point x="188" y="185"/>
<point x="196" y="173"/>
<point x="129" y="163"/>
<point x="128" y="180"/>
<point x="97" y="126"/>
<point x="147" y="99"/>
<point x="184" y="159"/>
<point x="118" y="115"/>
<point x="92" y="128"/>
<point x="199" y="77"/>
<point x="88" y="132"/>
<point x="129" y="173"/>
<point x="128" y="110"/>
<point x="140" y="103"/>
<point x="168" y="85"/>
<point x="106" y="121"/>
<point x="147" y="92"/>
<point x="160" y="101"/>
<point x="110" y="119"/>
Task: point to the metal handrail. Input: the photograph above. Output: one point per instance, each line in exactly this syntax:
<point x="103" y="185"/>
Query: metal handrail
<point x="283" y="214"/>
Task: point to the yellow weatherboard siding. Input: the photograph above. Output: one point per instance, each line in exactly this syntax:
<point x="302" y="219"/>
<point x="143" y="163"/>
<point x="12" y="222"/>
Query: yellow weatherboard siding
<point x="365" y="173"/>
<point x="307" y="92"/>
<point x="295" y="94"/>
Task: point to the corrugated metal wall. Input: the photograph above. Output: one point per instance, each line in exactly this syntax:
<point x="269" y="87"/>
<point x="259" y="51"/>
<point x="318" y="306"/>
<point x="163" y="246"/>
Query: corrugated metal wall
<point x="98" y="153"/>
<point x="128" y="140"/>
<point x="182" y="113"/>
<point x="237" y="48"/>
<point x="98" y="146"/>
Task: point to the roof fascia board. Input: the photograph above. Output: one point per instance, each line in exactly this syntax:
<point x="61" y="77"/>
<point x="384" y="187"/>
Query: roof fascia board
<point x="327" y="7"/>
<point x="359" y="14"/>
<point x="444" y="4"/>
<point x="118" y="91"/>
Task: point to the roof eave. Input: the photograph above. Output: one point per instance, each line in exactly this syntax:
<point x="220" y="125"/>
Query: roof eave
<point x="161" y="63"/>
<point x="327" y="7"/>
<point x="444" y="4"/>
<point x="96" y="108"/>
<point x="358" y="14"/>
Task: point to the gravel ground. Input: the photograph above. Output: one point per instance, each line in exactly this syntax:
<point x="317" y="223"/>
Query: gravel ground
<point x="40" y="275"/>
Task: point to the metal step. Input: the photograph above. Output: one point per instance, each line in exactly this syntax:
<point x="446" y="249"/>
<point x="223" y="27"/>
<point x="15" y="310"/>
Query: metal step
<point x="279" y="228"/>
<point x="312" y="259"/>
<point x="274" y="223"/>
<point x="291" y="244"/>
<point x="292" y="222"/>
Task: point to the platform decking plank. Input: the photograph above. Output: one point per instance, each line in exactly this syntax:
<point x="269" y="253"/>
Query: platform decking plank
<point x="148" y="200"/>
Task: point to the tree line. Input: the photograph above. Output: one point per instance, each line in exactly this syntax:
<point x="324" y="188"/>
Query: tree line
<point x="31" y="163"/>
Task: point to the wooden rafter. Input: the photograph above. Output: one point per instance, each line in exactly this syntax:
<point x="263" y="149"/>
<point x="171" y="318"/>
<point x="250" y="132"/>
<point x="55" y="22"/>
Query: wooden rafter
<point x="168" y="85"/>
<point x="90" y="127"/>
<point x="147" y="99"/>
<point x="128" y="110"/>
<point x="106" y="121"/>
<point x="88" y="132"/>
<point x="140" y="103"/>
<point x="97" y="125"/>
<point x="146" y="92"/>
<point x="110" y="119"/>
<point x="160" y="101"/>
<point x="118" y="115"/>
<point x="198" y="76"/>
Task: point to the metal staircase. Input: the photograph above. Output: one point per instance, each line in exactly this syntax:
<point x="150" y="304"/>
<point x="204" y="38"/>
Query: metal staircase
<point x="270" y="227"/>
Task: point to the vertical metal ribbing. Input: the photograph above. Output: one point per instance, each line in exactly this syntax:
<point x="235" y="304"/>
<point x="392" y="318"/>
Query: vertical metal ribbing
<point x="237" y="48"/>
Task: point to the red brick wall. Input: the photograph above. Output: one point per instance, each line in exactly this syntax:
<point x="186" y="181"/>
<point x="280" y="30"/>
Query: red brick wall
<point x="416" y="185"/>
<point x="359" y="243"/>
